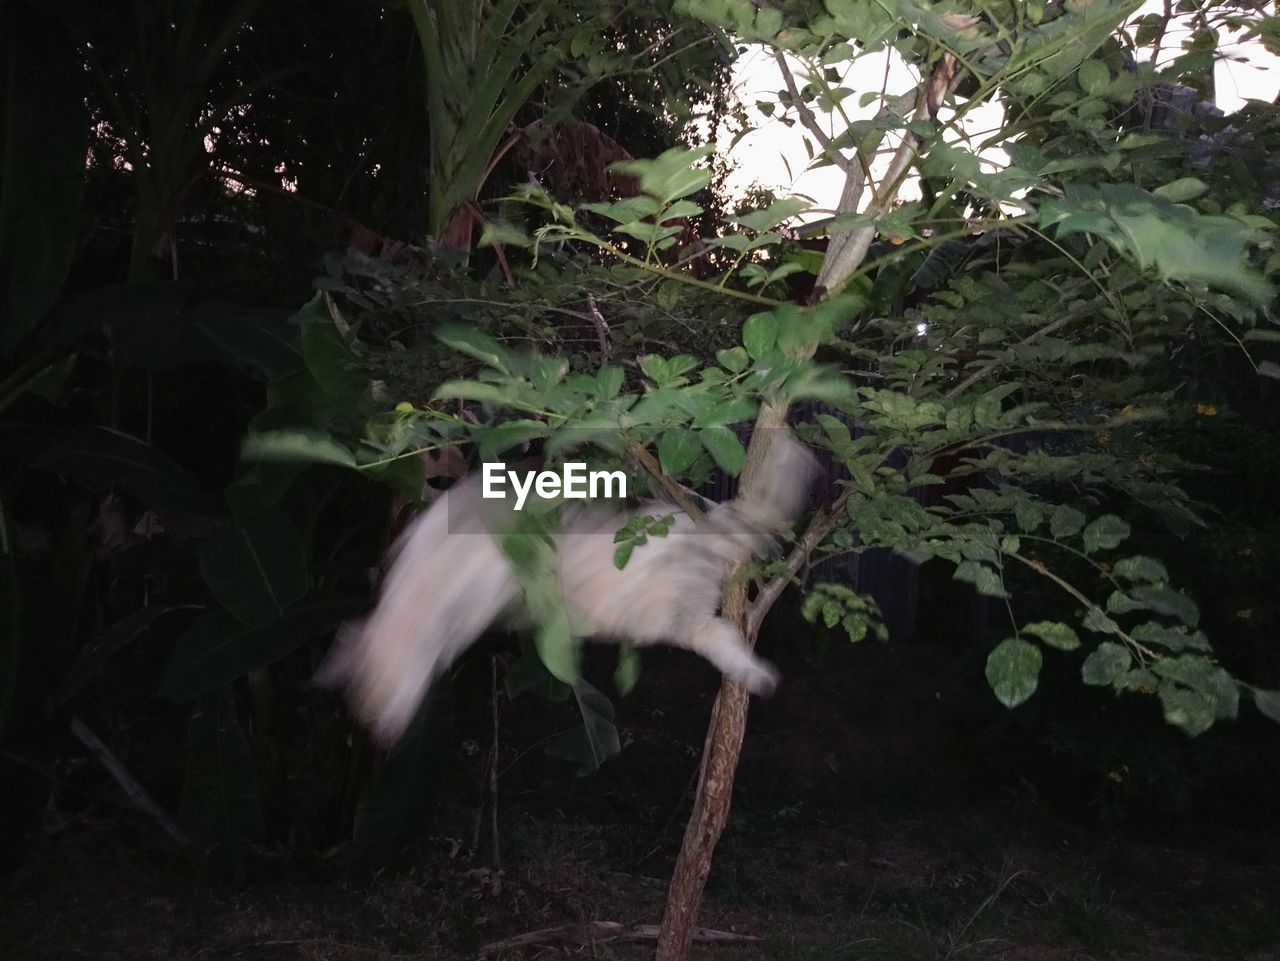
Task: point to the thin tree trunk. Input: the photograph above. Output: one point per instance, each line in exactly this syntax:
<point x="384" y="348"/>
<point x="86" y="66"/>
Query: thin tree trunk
<point x="729" y="713"/>
<point x="719" y="754"/>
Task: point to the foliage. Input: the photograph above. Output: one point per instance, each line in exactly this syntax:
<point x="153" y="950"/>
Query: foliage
<point x="1012" y="374"/>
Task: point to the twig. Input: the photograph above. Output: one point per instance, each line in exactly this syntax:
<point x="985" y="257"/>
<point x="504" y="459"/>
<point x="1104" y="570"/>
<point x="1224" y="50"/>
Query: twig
<point x="819" y="527"/>
<point x="587" y="933"/>
<point x="678" y="493"/>
<point x="138" y="795"/>
<point x="602" y="329"/>
<point x="851" y="168"/>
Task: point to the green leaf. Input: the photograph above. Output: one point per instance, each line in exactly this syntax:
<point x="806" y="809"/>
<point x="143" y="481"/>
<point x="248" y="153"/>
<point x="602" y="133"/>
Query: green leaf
<point x="1106" y="664"/>
<point x="669" y="176"/>
<point x="331" y="362"/>
<point x="760" y="334"/>
<point x="528" y="673"/>
<point x="1013" y="671"/>
<point x="264" y="343"/>
<point x="1105" y="533"/>
<point x="985" y="580"/>
<point x="773" y="215"/>
<point x="1094" y="77"/>
<point x="220" y="804"/>
<point x="257" y="568"/>
<point x="1139" y="568"/>
<point x="678" y="449"/>
<point x="305" y="446"/>
<point x="510" y="434"/>
<point x="475" y="343"/>
<point x="93" y="657"/>
<point x="397" y="807"/>
<point x="734" y="360"/>
<point x="627" y="674"/>
<point x="1165" y="600"/>
<point x="609" y="381"/>
<point x="1180" y="191"/>
<point x="558" y="647"/>
<point x="475" y="390"/>
<point x="725" y="448"/>
<point x="218" y="649"/>
<point x="1065" y="522"/>
<point x="1193" y="711"/>
<point x="103" y="456"/>
<point x="596" y="740"/>
<point x="1054" y="634"/>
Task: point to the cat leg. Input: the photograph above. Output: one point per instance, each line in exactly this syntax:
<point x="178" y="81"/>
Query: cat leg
<point x="721" y="643"/>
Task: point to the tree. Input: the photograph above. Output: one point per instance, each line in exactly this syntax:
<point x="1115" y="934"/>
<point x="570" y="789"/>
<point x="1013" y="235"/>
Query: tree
<point x="1072" y="291"/>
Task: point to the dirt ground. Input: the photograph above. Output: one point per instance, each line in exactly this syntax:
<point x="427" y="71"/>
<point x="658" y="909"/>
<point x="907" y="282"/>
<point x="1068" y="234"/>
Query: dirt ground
<point x="856" y="834"/>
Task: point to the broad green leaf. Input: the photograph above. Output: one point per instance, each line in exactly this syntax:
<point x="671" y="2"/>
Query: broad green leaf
<point x="735" y="359"/>
<point x="262" y="342"/>
<point x="102" y="456"/>
<point x="93" y="657"/>
<point x="1094" y="77"/>
<point x="1180" y="191"/>
<point x="760" y="334"/>
<point x="773" y="215"/>
<point x="508" y="435"/>
<point x="332" y="363"/>
<point x="256" y="569"/>
<point x="475" y="343"/>
<point x="1054" y="634"/>
<point x="669" y="176"/>
<point x="596" y="740"/>
<point x="1193" y="711"/>
<point x="1104" y="533"/>
<point x="1065" y="522"/>
<point x="725" y="448"/>
<point x="1139" y="568"/>
<point x="558" y="647"/>
<point x="475" y="390"/>
<point x="1106" y="664"/>
<point x="1013" y="671"/>
<point x="218" y="649"/>
<point x="528" y="673"/>
<point x="306" y="446"/>
<point x="220" y="804"/>
<point x="985" y="580"/>
<point x="677" y="451"/>
<point x="1165" y="600"/>
<point x="627" y="673"/>
<point x="397" y="807"/>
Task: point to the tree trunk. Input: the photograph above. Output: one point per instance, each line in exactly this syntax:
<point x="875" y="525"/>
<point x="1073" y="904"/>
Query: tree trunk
<point x="721" y="751"/>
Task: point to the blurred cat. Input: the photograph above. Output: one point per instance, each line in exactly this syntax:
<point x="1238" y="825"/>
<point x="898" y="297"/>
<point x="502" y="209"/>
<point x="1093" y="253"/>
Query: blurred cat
<point x="449" y="580"/>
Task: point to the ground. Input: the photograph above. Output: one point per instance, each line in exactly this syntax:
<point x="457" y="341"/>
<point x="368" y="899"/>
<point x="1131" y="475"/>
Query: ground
<point x="855" y="834"/>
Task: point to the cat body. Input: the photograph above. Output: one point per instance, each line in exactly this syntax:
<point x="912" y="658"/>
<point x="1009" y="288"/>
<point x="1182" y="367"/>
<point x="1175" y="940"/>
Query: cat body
<point x="449" y="580"/>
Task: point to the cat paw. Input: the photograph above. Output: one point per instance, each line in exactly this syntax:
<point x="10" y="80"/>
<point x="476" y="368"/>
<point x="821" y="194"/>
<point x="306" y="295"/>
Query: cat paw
<point x="759" y="678"/>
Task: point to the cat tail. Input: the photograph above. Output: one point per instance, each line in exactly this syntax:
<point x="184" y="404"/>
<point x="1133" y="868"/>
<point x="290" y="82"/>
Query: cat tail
<point x="448" y="582"/>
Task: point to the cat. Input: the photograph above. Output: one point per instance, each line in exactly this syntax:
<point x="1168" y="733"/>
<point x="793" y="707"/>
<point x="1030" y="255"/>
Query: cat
<point x="449" y="580"/>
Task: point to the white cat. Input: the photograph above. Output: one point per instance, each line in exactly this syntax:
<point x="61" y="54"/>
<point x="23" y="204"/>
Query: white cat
<point x="450" y="580"/>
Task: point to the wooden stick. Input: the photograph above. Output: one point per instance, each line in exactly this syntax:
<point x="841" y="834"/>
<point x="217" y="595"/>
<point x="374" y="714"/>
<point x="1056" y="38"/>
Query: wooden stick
<point x="138" y="795"/>
<point x="585" y="933"/>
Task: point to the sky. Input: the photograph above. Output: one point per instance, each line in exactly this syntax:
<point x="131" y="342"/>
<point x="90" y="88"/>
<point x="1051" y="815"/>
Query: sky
<point x="773" y="155"/>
